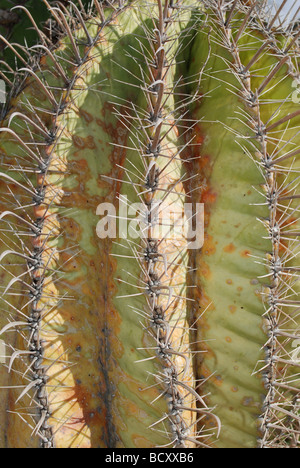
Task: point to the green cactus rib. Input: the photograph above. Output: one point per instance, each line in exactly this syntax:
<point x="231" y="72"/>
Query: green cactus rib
<point x="163" y="260"/>
<point x="249" y="172"/>
<point x="117" y="333"/>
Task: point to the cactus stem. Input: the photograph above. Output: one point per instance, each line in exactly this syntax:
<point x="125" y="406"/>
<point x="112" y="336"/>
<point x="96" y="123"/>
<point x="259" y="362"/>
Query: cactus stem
<point x="159" y="285"/>
<point x="274" y="356"/>
<point x="39" y="260"/>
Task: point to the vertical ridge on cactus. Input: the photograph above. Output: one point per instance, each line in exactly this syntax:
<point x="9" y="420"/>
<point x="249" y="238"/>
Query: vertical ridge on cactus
<point x="251" y="86"/>
<point x="135" y="338"/>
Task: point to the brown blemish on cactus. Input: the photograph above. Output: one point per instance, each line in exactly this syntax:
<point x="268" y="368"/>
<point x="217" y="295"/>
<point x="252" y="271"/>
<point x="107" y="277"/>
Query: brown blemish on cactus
<point x="208" y="197"/>
<point x="86" y="115"/>
<point x="209" y="247"/>
<point x="248" y="401"/>
<point x="86" y="399"/>
<point x="217" y="380"/>
<point x="100" y="424"/>
<point x="214" y="379"/>
<point x="230" y="248"/>
<point x="204" y="270"/>
<point x="40" y="211"/>
<point x="84" y="142"/>
<point x="93" y="407"/>
<point x="245" y="253"/>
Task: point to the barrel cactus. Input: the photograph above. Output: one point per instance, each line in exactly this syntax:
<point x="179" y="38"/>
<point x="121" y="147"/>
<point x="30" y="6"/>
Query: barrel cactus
<point x="149" y="228"/>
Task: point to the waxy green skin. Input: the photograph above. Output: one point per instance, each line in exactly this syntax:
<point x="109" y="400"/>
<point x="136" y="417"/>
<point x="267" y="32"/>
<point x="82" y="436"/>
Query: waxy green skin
<point x="232" y="274"/>
<point x="226" y="278"/>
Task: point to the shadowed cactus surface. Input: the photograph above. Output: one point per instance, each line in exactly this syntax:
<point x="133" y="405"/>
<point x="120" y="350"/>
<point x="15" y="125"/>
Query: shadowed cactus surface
<point x="124" y="332"/>
<point x="16" y="26"/>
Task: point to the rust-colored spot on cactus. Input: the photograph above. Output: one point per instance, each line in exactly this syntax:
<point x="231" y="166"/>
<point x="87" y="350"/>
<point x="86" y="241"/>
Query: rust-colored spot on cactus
<point x="40" y="211"/>
<point x="214" y="379"/>
<point x="84" y="397"/>
<point x="248" y="401"/>
<point x="70" y="261"/>
<point x="86" y="115"/>
<point x="245" y="253"/>
<point x="232" y="309"/>
<point x="204" y="301"/>
<point x="218" y="380"/>
<point x="209" y="246"/>
<point x="204" y="270"/>
<point x="41" y="180"/>
<point x="37" y="242"/>
<point x="208" y="196"/>
<point x="81" y="142"/>
<point x="43" y="60"/>
<point x="229" y="248"/>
